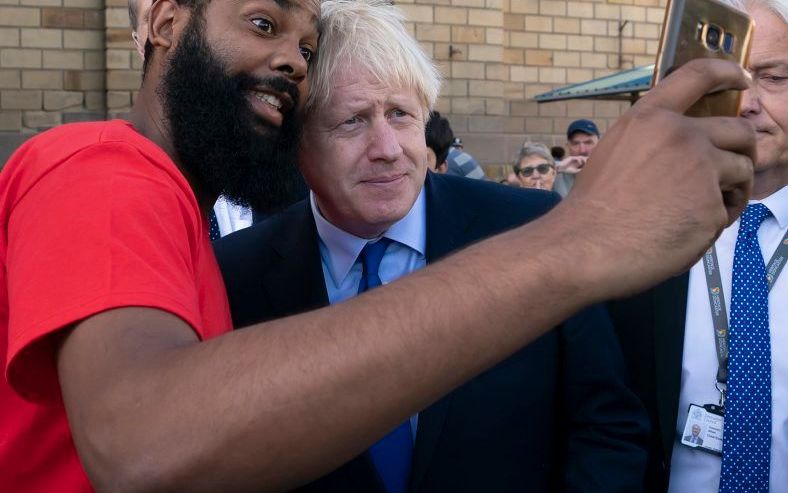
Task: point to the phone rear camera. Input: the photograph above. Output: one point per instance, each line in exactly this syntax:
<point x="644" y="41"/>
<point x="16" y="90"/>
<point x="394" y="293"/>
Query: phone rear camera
<point x="713" y="37"/>
<point x="727" y="43"/>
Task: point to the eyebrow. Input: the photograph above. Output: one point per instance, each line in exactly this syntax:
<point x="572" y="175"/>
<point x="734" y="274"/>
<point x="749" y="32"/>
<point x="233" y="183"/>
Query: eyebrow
<point x="767" y="64"/>
<point x="285" y="4"/>
<point x="290" y="5"/>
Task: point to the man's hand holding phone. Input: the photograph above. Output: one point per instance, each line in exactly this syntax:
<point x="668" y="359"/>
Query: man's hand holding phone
<point x="657" y="169"/>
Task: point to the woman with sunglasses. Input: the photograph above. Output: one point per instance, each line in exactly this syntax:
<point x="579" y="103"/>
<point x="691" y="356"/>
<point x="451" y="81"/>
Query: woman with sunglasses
<point x="535" y="167"/>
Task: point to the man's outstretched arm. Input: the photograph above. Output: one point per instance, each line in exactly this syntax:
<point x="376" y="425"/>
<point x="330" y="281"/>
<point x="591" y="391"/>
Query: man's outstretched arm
<point x="275" y="406"/>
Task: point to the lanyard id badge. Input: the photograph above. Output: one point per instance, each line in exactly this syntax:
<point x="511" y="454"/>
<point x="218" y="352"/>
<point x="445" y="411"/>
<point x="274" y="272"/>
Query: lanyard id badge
<point x="703" y="428"/>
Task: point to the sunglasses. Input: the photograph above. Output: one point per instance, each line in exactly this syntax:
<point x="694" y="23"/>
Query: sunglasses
<point x="543" y="169"/>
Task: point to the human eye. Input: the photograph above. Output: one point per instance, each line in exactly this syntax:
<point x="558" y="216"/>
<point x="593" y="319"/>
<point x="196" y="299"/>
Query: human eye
<point x="401" y="114"/>
<point x="263" y="24"/>
<point x="350" y="121"/>
<point x="770" y="82"/>
<point x="307" y="53"/>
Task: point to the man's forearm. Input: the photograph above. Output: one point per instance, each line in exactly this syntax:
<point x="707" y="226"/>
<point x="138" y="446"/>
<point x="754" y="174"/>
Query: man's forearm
<point x="311" y="391"/>
<point x="282" y="403"/>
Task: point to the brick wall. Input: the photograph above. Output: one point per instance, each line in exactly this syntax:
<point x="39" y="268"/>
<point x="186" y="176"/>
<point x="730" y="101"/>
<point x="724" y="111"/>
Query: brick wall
<point x="497" y="54"/>
<point x="72" y="60"/>
<point x="124" y="65"/>
<point x="51" y="65"/>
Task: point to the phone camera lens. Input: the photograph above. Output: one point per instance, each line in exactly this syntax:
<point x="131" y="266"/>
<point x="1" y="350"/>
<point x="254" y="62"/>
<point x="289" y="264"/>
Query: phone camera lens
<point x="727" y="43"/>
<point x="713" y="36"/>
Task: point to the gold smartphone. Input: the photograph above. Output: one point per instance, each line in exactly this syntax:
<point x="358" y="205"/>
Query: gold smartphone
<point x="704" y="29"/>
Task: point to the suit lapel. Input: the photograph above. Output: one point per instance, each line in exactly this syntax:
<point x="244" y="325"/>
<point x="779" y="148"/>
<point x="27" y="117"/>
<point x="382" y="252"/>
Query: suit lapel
<point x="296" y="284"/>
<point x="293" y="280"/>
<point x="446" y="228"/>
<point x="670" y="310"/>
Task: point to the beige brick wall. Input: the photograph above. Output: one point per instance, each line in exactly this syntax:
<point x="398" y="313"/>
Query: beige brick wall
<point x="71" y="60"/>
<point x="527" y="47"/>
<point x="124" y="65"/>
<point x="51" y="63"/>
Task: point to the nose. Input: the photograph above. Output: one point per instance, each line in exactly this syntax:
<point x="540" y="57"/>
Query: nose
<point x="383" y="142"/>
<point x="288" y="60"/>
<point x="750" y="101"/>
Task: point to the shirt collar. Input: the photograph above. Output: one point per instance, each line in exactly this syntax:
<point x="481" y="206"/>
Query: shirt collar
<point x="778" y="204"/>
<point x="343" y="248"/>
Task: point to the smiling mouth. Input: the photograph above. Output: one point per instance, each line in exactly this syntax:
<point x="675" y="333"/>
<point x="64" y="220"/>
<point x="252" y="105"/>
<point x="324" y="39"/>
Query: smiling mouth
<point x="269" y="99"/>
<point x="383" y="180"/>
<point x="270" y="106"/>
<point x="276" y="100"/>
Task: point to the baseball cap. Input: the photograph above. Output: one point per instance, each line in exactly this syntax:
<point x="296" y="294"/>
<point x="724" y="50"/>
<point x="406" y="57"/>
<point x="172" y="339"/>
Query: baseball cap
<point x="585" y="126"/>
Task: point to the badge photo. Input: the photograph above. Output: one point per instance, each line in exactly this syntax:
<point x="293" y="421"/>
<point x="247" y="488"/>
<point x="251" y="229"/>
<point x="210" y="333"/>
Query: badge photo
<point x="703" y="428"/>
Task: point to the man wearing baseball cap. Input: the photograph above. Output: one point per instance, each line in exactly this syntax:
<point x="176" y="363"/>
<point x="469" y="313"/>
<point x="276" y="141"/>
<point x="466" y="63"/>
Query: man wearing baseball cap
<point x="581" y="139"/>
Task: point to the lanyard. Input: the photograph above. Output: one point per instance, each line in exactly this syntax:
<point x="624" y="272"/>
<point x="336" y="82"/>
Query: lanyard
<point x="717" y="299"/>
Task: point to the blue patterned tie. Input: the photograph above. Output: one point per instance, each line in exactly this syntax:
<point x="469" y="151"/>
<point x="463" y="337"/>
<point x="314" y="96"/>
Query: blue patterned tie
<point x="391" y="455"/>
<point x="213" y="226"/>
<point x="748" y="409"/>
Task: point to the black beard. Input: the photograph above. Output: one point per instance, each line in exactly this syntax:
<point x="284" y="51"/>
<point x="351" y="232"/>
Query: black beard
<point x="220" y="142"/>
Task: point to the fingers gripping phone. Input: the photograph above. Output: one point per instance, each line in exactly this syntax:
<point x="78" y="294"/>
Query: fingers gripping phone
<point x="704" y="29"/>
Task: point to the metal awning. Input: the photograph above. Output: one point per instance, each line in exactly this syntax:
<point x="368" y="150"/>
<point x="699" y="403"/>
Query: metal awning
<point x="621" y="86"/>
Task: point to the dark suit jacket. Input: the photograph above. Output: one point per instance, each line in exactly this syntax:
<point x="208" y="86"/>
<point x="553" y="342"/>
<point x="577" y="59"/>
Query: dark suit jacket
<point x="556" y="416"/>
<point x="650" y="328"/>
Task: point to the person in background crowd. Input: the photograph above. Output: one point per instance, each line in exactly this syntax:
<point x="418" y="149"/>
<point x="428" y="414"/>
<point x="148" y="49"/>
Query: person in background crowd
<point x="556" y="416"/>
<point x="461" y="163"/>
<point x="558" y="153"/>
<point x="582" y="137"/>
<point x="121" y="370"/>
<point x="535" y="167"/>
<point x="733" y="299"/>
<point x="138" y="18"/>
<point x="439" y="139"/>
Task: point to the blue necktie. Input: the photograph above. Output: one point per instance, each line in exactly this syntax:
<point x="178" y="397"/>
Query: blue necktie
<point x="391" y="455"/>
<point x="748" y="409"/>
<point x="213" y="226"/>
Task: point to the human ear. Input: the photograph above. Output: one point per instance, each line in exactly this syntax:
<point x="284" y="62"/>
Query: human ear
<point x="165" y="20"/>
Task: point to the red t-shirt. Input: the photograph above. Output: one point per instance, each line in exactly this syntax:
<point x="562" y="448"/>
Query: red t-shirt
<point x="93" y="216"/>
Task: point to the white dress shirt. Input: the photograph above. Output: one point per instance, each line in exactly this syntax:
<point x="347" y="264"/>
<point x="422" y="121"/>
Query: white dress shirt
<point x="231" y="217"/>
<point x="696" y="471"/>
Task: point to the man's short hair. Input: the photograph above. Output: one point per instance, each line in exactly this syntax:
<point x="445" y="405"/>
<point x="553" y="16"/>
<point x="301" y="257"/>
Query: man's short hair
<point x="776" y="7"/>
<point x="133" y="19"/>
<point x="439" y="136"/>
<point x="370" y="34"/>
<point x="533" y="149"/>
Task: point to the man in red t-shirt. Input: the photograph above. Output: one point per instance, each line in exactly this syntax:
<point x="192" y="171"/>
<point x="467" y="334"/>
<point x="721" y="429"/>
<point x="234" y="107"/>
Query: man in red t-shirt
<point x="118" y="374"/>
